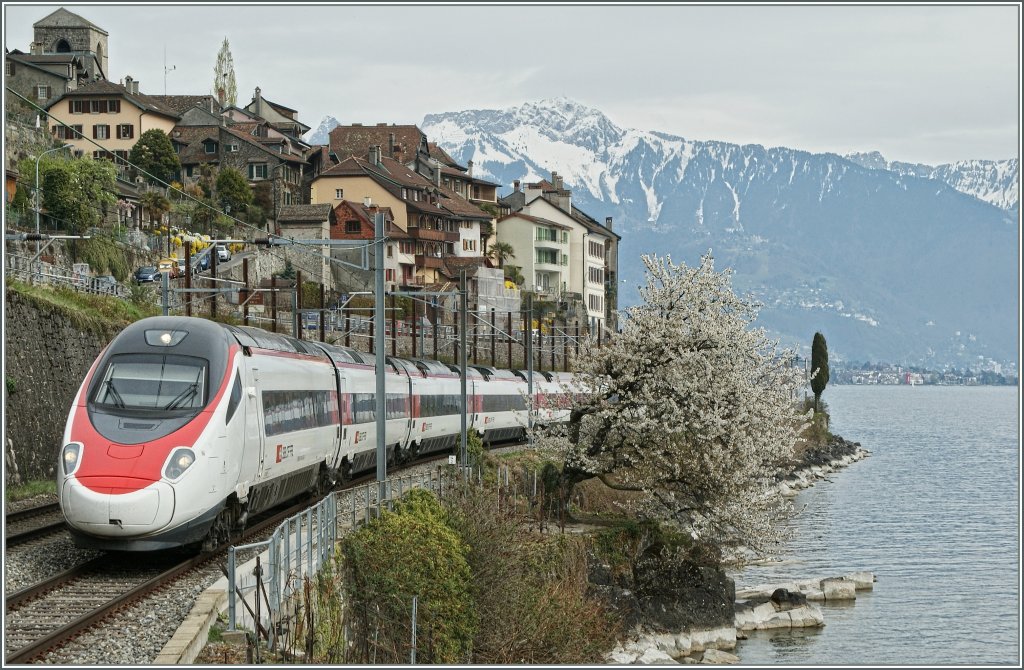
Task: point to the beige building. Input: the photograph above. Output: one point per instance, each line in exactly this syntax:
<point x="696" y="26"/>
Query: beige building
<point x="112" y="116"/>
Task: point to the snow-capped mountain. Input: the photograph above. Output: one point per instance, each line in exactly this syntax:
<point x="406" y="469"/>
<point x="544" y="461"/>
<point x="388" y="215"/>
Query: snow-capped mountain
<point x="995" y="182"/>
<point x="320" y="134"/>
<point x="888" y="263"/>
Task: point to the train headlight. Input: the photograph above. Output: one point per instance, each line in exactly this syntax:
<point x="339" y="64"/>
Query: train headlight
<point x="180" y="461"/>
<point x="70" y="456"/>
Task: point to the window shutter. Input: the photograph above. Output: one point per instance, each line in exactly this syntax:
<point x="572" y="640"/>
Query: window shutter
<point x="94" y="134"/>
<point x="131" y="132"/>
<point x="71" y="106"/>
<point x="49" y="92"/>
<point x="117" y="106"/>
<point x="119" y="131"/>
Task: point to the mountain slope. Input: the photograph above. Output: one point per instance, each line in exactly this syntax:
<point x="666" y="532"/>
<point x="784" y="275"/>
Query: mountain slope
<point x="888" y="263"/>
<point x="320" y="134"/>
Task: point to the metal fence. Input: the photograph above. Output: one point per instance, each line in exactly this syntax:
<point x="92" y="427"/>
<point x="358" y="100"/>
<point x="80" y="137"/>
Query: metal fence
<point x="24" y="269"/>
<point x="262" y="598"/>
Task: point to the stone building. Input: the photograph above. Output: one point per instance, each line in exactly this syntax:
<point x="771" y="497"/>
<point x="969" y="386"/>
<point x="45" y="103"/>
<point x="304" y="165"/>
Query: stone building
<point x="64" y="32"/>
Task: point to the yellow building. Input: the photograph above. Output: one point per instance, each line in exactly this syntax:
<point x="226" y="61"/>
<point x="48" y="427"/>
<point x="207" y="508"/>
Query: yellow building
<point x="110" y="115"/>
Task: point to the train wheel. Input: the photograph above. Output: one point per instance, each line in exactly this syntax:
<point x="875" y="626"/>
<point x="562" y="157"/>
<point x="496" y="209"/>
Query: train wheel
<point x="220" y="531"/>
<point x="324" y="482"/>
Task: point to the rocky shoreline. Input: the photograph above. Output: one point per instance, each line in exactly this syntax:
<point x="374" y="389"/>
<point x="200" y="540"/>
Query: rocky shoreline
<point x="710" y="636"/>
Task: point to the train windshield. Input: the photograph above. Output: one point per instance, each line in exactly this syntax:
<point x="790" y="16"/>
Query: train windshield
<point x="153" y="382"/>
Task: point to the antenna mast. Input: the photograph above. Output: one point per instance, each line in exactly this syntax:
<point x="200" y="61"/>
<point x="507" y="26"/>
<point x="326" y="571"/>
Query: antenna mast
<point x="167" y="69"/>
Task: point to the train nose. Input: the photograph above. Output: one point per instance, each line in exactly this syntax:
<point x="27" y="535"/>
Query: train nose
<point x="114" y="511"/>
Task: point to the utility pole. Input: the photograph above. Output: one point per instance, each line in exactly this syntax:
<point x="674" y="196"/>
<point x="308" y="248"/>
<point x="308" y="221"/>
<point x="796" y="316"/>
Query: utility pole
<point x="462" y="367"/>
<point x="378" y="348"/>
<point x="529" y="363"/>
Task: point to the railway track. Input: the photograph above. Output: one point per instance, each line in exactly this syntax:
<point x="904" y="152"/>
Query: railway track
<point x="29" y="524"/>
<point x="45" y="616"/>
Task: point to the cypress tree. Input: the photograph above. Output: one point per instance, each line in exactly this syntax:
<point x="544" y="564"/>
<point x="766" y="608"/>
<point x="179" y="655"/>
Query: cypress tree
<point x="819" y="367"/>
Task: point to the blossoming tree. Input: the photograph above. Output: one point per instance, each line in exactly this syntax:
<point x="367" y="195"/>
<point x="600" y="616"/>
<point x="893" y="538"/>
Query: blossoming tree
<point x="690" y="405"/>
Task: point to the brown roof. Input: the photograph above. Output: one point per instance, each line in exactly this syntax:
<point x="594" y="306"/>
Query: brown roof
<point x="441" y="155"/>
<point x="355" y="140"/>
<point x="461" y="207"/>
<point x="456" y="263"/>
<point x="104" y="87"/>
<point x="461" y="174"/>
<point x="183" y="103"/>
<point x="291" y="158"/>
<point x="304" y="213"/>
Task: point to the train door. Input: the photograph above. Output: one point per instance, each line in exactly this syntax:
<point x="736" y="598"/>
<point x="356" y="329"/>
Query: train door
<point x="344" y="417"/>
<point x="254" y="438"/>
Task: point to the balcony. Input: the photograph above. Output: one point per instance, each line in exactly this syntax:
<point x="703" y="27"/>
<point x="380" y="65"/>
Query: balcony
<point x="418" y="233"/>
<point x="429" y="261"/>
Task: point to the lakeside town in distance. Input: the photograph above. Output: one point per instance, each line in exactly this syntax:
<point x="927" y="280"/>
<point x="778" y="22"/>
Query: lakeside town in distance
<point x="885" y="374"/>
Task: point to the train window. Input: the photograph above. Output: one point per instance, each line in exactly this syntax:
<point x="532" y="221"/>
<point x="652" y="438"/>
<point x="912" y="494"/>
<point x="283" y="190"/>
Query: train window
<point x="151" y="381"/>
<point x="234" y="400"/>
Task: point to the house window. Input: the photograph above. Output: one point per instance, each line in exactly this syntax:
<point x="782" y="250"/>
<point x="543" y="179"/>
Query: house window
<point x="257" y="171"/>
<point x="232" y="148"/>
<point x="113" y="106"/>
<point x="391" y="251"/>
<point x="125" y="131"/>
<point x="595" y="249"/>
<point x="287" y="197"/>
<point x="77" y="106"/>
<point x="389" y="274"/>
<point x="352" y="228"/>
<point x="405" y="194"/>
<point x="211" y="148"/>
<point x="188" y="170"/>
<point x="68" y="132"/>
<point x="101" y="132"/>
<point x="596" y="275"/>
<point x="565" y="237"/>
<point x="406" y="247"/>
<point x="9" y="68"/>
<point x="595" y="303"/>
<point x="121" y="157"/>
<point x="42" y="92"/>
<point x="339" y="193"/>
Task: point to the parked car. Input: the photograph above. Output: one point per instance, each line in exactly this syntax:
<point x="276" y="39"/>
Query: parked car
<point x="223" y="254"/>
<point x="147" y="273"/>
<point x="201" y="261"/>
<point x="181" y="267"/>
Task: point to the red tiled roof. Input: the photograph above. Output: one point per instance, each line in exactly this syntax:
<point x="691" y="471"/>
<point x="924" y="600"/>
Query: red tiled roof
<point x="354" y="140"/>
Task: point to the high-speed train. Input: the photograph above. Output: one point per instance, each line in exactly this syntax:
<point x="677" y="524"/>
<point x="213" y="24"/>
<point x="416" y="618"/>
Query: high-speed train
<point x="184" y="427"/>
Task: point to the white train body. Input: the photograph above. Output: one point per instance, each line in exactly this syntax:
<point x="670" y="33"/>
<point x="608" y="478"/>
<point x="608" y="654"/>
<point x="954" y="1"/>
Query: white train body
<point x="183" y="427"/>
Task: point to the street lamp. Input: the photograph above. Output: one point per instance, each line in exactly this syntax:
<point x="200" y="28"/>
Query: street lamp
<point x="66" y="146"/>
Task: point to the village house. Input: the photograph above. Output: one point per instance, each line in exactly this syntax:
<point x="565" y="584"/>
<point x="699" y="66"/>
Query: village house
<point x="573" y="258"/>
<point x="112" y="116"/>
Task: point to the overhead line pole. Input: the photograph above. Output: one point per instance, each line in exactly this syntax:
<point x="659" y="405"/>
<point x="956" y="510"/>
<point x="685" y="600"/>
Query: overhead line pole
<point x="378" y="348"/>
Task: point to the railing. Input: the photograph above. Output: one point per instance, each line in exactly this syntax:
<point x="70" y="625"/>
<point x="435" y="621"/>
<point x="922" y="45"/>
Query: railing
<point x="300" y="546"/>
<point x="25" y="269"/>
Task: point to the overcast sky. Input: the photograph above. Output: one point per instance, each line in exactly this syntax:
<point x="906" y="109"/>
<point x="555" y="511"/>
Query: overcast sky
<point x="930" y="84"/>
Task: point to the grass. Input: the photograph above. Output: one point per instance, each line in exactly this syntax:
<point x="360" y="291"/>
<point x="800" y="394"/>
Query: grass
<point x="30" y="490"/>
<point x="95" y="313"/>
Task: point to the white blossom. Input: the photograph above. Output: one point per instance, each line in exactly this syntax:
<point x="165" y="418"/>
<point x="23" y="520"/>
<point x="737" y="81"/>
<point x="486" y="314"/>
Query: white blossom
<point x="689" y="404"/>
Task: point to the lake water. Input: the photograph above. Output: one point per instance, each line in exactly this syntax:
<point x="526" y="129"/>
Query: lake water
<point x="934" y="512"/>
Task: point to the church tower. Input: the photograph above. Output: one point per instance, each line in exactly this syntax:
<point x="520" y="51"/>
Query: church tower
<point x="65" y="32"/>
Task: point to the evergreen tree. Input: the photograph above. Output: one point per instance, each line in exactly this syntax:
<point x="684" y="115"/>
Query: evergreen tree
<point x="154" y="154"/>
<point x="819" y="367"/>
<point x="233" y="190"/>
<point x="224" y="76"/>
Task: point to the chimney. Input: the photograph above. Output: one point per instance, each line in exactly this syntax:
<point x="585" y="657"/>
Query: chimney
<point x="391" y="145"/>
<point x="36" y="48"/>
<point x="515" y="185"/>
<point x="127" y="83"/>
<point x="375" y="154"/>
<point x="135" y="87"/>
<point x="469" y="164"/>
<point x="367" y="202"/>
<point x="437" y="176"/>
<point x="608" y="223"/>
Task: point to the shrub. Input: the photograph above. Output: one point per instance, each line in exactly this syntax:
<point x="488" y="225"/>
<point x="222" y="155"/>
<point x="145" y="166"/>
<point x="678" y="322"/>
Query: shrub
<point x="405" y="553"/>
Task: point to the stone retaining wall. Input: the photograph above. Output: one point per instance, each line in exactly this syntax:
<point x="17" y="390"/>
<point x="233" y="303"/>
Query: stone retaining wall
<point x="46" y="358"/>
